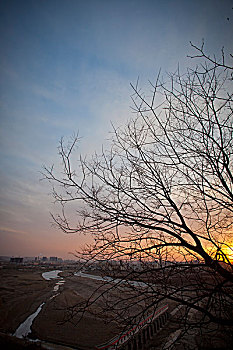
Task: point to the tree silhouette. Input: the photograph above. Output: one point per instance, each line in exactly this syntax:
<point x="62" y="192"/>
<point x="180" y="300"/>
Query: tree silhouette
<point x="158" y="202"/>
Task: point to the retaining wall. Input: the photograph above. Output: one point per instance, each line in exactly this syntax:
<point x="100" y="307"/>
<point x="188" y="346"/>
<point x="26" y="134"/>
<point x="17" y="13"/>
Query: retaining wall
<point x="137" y="337"/>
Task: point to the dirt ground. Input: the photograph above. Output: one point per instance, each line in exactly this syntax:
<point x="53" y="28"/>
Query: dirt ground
<point x="21" y="293"/>
<point x="23" y="290"/>
<point x="87" y="333"/>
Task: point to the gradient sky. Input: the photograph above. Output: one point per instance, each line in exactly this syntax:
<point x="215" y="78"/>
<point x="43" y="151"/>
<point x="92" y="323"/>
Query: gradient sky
<point x="66" y="66"/>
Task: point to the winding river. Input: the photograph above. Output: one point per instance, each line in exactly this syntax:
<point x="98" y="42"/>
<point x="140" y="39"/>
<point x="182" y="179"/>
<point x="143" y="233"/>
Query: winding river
<point x="113" y="280"/>
<point x="25" y="328"/>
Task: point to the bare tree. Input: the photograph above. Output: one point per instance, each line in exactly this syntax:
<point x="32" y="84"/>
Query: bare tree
<point x="162" y="195"/>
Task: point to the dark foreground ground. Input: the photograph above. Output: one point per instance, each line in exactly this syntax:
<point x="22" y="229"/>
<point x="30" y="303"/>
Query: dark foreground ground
<point x="21" y="293"/>
<point x="23" y="290"/>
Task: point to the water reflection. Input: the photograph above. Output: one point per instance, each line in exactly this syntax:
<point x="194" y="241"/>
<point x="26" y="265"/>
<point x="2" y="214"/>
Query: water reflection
<point x="25" y="328"/>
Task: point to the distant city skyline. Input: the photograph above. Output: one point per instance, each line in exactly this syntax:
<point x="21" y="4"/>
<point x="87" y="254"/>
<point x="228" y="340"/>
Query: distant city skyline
<point x="66" y="66"/>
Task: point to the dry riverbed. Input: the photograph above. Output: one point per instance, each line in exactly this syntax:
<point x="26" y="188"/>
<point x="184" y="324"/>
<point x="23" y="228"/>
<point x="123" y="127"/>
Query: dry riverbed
<point x="21" y="293"/>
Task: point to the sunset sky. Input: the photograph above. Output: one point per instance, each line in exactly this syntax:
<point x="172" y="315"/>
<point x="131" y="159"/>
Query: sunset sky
<point x="66" y="66"/>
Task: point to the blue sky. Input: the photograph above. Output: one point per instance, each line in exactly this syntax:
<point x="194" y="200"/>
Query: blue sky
<point x="66" y="66"/>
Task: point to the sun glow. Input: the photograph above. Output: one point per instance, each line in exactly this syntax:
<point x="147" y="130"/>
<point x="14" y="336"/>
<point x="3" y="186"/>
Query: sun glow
<point x="224" y="253"/>
<point x="229" y="253"/>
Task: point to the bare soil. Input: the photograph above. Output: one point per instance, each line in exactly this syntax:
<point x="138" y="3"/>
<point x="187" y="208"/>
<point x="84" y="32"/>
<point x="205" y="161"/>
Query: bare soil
<point x="23" y="290"/>
<point x="50" y="324"/>
<point x="21" y="293"/>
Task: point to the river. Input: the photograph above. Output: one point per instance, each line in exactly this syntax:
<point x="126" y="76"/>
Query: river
<point x="113" y="280"/>
<point x="25" y="328"/>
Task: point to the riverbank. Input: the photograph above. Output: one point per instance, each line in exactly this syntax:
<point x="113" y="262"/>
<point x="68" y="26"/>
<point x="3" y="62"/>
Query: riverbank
<point x="57" y="323"/>
<point x="8" y="342"/>
<point x="53" y="323"/>
<point x="21" y="293"/>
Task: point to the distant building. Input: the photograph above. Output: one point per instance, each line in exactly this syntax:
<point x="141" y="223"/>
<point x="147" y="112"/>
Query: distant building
<point x="16" y="260"/>
<point x="28" y="258"/>
<point x="53" y="258"/>
<point x="5" y="258"/>
<point x="44" y="258"/>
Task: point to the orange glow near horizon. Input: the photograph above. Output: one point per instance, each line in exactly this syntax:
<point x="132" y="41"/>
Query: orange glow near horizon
<point x="229" y="253"/>
<point x="225" y="253"/>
